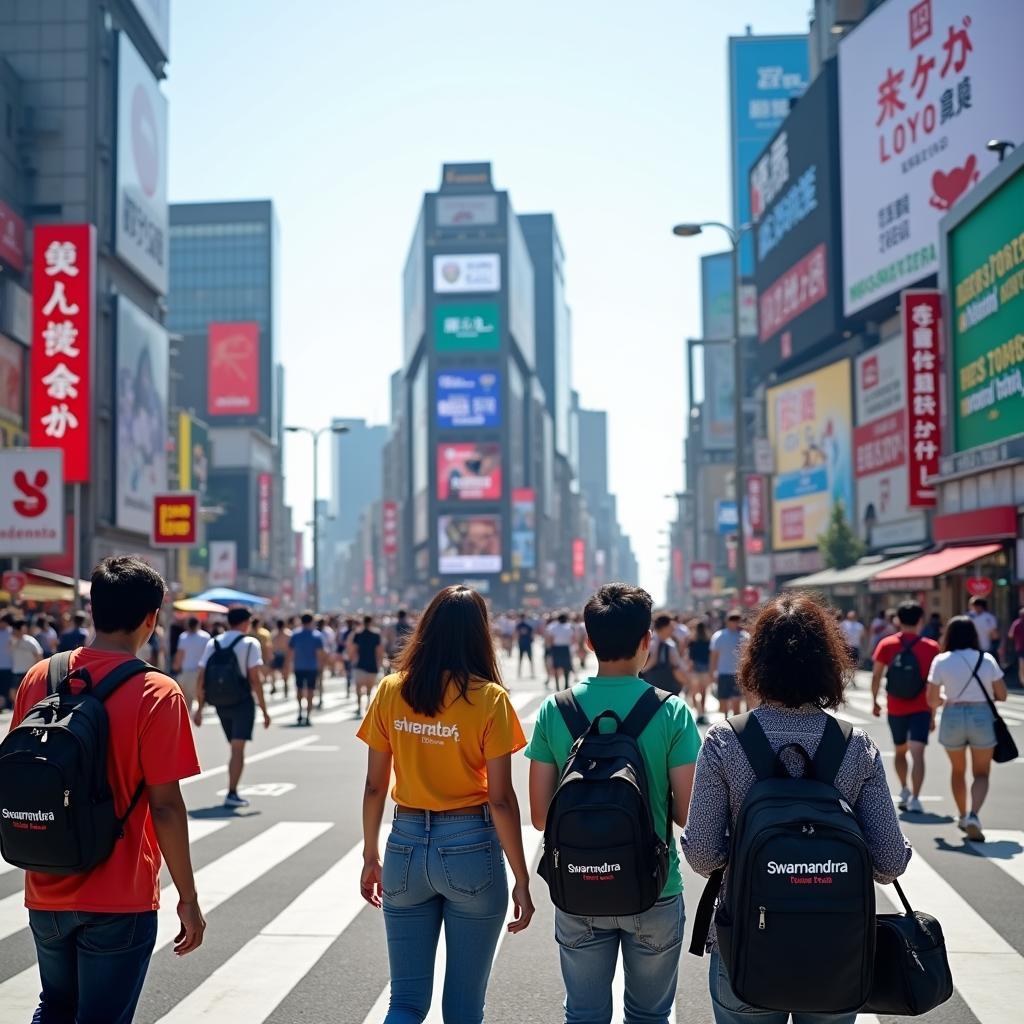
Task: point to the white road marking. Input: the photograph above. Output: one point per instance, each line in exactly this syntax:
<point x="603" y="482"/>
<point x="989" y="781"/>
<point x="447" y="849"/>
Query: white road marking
<point x="1004" y="848"/>
<point x="217" y="882"/>
<point x="262" y="789"/>
<point x="284" y="748"/>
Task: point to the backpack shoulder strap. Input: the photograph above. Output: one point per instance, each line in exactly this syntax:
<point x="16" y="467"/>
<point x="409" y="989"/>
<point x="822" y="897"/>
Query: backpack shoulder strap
<point x="234" y="643"/>
<point x="58" y="668"/>
<point x="643" y="711"/>
<point x="113" y="680"/>
<point x="572" y="714"/>
<point x="759" y="751"/>
<point x="832" y="749"/>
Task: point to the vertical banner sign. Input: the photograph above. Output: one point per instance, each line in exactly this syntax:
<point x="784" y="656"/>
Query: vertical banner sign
<point x="63" y="257"/>
<point x="701" y="575"/>
<point x="922" y="310"/>
<point x="677" y="567"/>
<point x="263" y="496"/>
<point x="389" y="528"/>
<point x="755" y="503"/>
<point x="524" y="528"/>
<point x="579" y="558"/>
<point x="233" y="369"/>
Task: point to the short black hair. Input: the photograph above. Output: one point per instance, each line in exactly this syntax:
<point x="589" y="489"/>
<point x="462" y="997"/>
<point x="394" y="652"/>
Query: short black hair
<point x="193" y="623"/>
<point x="307" y="618"/>
<point x="124" y="591"/>
<point x="367" y="620"/>
<point x="618" y="617"/>
<point x="79" y="618"/>
<point x="238" y="615"/>
<point x="402" y="613"/>
<point x="979" y="602"/>
<point x="563" y="617"/>
<point x="910" y="613"/>
<point x="662" y="620"/>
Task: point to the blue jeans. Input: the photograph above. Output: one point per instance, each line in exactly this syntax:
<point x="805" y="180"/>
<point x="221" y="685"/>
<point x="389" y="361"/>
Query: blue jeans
<point x="447" y="869"/>
<point x="729" y="1010"/>
<point x="92" y="966"/>
<point x="589" y="948"/>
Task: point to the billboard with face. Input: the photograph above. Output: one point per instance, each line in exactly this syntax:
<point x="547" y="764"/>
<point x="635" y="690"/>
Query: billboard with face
<point x="469" y="471"/>
<point x="468" y="544"/>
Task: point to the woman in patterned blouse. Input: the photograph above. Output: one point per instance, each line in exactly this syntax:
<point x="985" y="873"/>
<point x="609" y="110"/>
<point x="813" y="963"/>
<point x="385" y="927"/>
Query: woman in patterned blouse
<point x="797" y="664"/>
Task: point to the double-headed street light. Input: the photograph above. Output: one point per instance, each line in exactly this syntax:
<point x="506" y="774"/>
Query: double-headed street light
<point x="334" y="428"/>
<point x="690" y="230"/>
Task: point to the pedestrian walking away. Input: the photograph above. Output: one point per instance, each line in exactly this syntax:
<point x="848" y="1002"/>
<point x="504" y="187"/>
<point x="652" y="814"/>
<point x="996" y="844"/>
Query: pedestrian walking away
<point x="444" y="722"/>
<point x="796" y="664"/>
<point x="726" y="646"/>
<point x="699" y="650"/>
<point x="77" y="636"/>
<point x="366" y="652"/>
<point x="279" y="656"/>
<point x="561" y="634"/>
<point x="986" y="624"/>
<point x="191" y="647"/>
<point x="230" y="679"/>
<point x="905" y="659"/>
<point x="958" y="681"/>
<point x="524" y="638"/>
<point x="307" y="657"/>
<point x="25" y="652"/>
<point x="853" y="633"/>
<point x="618" y="621"/>
<point x="94" y="931"/>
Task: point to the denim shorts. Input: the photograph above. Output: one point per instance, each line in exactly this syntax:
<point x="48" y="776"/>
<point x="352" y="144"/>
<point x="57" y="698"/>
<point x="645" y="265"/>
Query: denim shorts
<point x="967" y="725"/>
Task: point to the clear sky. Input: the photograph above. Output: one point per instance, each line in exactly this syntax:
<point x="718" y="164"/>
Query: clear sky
<point x="613" y="117"/>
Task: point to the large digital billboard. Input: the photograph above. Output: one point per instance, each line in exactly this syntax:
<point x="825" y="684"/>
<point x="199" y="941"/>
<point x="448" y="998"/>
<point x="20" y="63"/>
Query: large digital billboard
<point x="468" y="544"/>
<point x="467" y="327"/>
<point x="923" y="86"/>
<point x="233" y="369"/>
<point x="469" y="471"/>
<point x="475" y="272"/>
<point x="468" y="398"/>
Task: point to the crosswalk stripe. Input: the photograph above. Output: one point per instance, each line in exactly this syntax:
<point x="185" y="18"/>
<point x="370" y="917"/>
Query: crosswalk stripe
<point x="216" y="882"/>
<point x="284" y="748"/>
<point x="1004" y="848"/>
<point x="251" y="984"/>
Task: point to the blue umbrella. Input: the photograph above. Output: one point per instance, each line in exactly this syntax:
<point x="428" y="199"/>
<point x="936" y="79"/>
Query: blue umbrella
<point x="225" y="595"/>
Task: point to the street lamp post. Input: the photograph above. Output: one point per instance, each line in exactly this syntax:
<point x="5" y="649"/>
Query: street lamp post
<point x="687" y="230"/>
<point x="334" y="428"/>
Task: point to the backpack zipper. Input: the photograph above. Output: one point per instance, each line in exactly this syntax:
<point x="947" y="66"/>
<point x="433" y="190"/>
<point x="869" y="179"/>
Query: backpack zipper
<point x="67" y="797"/>
<point x="760" y="919"/>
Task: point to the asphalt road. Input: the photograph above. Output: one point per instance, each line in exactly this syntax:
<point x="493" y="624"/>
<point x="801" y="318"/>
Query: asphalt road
<point x="290" y="941"/>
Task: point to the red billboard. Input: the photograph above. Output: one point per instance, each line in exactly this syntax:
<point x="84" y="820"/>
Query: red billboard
<point x="756" y="512"/>
<point x="389" y="527"/>
<point x="702" y="575"/>
<point x="469" y="471"/>
<point x="802" y="286"/>
<point x="579" y="558"/>
<point x="63" y="257"/>
<point x="12" y="238"/>
<point x="922" y="313"/>
<point x="175" y="519"/>
<point x="233" y="369"/>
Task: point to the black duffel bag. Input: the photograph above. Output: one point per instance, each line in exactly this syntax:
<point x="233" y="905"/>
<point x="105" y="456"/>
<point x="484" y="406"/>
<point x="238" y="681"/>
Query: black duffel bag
<point x="912" y="973"/>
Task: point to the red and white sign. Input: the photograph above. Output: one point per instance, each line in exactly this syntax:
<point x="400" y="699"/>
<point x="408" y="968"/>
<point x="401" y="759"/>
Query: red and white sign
<point x="31" y="501"/>
<point x="175" y="519"/>
<point x="922" y="311"/>
<point x="799" y="288"/>
<point x="233" y="369"/>
<point x="579" y="558"/>
<point x="756" y="512"/>
<point x="13" y="582"/>
<point x="677" y="566"/>
<point x="389" y="527"/>
<point x="223" y="570"/>
<point x="469" y="471"/>
<point x="978" y="586"/>
<point x="702" y="575"/>
<point x="368" y="576"/>
<point x="12" y="238"/>
<point x="264" y="488"/>
<point x="63" y="257"/>
<point x="750" y="597"/>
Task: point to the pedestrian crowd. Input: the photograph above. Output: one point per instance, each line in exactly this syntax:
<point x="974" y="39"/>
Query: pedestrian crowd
<point x="616" y="765"/>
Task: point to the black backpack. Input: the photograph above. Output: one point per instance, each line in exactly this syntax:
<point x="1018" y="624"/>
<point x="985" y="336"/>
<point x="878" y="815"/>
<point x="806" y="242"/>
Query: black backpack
<point x="903" y="676"/>
<point x="796" y="930"/>
<point x="661" y="675"/>
<point x="57" y="812"/>
<point x="602" y="854"/>
<point x="224" y="685"/>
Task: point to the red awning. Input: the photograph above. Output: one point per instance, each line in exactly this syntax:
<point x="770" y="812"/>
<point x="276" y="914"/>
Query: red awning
<point x="936" y="563"/>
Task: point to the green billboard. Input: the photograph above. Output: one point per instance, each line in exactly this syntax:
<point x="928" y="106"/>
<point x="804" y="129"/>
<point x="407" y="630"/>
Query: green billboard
<point x="986" y="275"/>
<point x="467" y="327"/>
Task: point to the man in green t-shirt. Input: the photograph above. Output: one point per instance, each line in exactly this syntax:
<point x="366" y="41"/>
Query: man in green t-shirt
<point x="618" y="621"/>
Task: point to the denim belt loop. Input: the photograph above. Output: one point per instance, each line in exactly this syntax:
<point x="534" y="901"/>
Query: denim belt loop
<point x="426" y="821"/>
<point x="487" y="813"/>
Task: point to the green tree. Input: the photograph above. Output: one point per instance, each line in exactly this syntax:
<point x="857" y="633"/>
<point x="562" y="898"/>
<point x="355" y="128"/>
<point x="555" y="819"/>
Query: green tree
<point x="839" y="545"/>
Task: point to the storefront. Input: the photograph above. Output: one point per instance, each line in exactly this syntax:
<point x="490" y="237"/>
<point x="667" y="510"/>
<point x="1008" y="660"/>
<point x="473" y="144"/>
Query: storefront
<point x="849" y="589"/>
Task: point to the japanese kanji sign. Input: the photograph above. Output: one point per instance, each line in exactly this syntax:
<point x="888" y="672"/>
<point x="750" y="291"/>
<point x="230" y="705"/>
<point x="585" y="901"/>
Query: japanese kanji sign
<point x="389" y="528"/>
<point x="922" y="311"/>
<point x="31" y="501"/>
<point x="467" y="327"/>
<point x="63" y="257"/>
<point x="923" y="85"/>
<point x="175" y="519"/>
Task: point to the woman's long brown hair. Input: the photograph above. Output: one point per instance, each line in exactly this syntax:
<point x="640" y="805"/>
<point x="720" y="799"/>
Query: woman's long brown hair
<point x="452" y="643"/>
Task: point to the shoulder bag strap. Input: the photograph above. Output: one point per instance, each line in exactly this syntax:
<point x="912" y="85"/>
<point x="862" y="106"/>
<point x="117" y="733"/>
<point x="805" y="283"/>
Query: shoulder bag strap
<point x="705" y="911"/>
<point x="831" y="749"/>
<point x="58" y="668"/>
<point x="759" y="751"/>
<point x="903" y="899"/>
<point x="984" y="692"/>
<point x="572" y="714"/>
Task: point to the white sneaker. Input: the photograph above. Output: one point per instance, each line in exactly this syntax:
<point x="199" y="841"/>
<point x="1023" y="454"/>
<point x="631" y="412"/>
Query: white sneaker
<point x="914" y="805"/>
<point x="234" y="800"/>
<point x="901" y="803"/>
<point x="973" y="828"/>
<point x="961" y="823"/>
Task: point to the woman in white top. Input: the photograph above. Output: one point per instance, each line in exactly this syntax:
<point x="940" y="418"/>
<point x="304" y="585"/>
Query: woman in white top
<point x="959" y="679"/>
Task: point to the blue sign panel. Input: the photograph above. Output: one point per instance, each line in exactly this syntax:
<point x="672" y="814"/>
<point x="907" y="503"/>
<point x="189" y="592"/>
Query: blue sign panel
<point x="468" y="398"/>
<point x="765" y="73"/>
<point x="725" y="517"/>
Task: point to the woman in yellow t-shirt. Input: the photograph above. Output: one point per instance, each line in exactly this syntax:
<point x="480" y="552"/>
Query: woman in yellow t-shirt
<point x="446" y="724"/>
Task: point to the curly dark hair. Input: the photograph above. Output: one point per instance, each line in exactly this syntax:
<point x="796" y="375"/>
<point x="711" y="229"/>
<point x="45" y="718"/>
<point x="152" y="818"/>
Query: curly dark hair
<point x="796" y="654"/>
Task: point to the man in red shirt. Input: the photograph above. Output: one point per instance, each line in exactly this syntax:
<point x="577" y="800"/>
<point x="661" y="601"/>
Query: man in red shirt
<point x="910" y="718"/>
<point x="105" y="920"/>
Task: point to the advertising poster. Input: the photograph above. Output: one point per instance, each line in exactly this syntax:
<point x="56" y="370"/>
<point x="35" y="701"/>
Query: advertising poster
<point x="142" y="372"/>
<point x="794" y="197"/>
<point x="31" y="501"/>
<point x="524" y="528"/>
<point x="233" y="369"/>
<point x="923" y="86"/>
<point x="477" y="272"/>
<point x="579" y="558"/>
<point x="193" y="454"/>
<point x="716" y="296"/>
<point x="467" y="327"/>
<point x="986" y="301"/>
<point x="467" y="211"/>
<point x="468" y="398"/>
<point x="765" y="73"/>
<point x="718" y="420"/>
<point x="468" y="544"/>
<point x="12" y="381"/>
<point x="175" y="519"/>
<point x="223" y="563"/>
<point x="469" y="471"/>
<point x="12" y="237"/>
<point x="810" y="427"/>
<point x="141" y="234"/>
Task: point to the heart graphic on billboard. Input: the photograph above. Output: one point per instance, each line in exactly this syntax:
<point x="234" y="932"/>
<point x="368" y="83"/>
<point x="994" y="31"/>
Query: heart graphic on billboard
<point x="145" y="145"/>
<point x="950" y="187"/>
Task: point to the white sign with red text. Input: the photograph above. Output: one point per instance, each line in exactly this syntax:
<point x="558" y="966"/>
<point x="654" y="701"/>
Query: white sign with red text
<point x="923" y="86"/>
<point x="922" y="312"/>
<point x="31" y="501"/>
